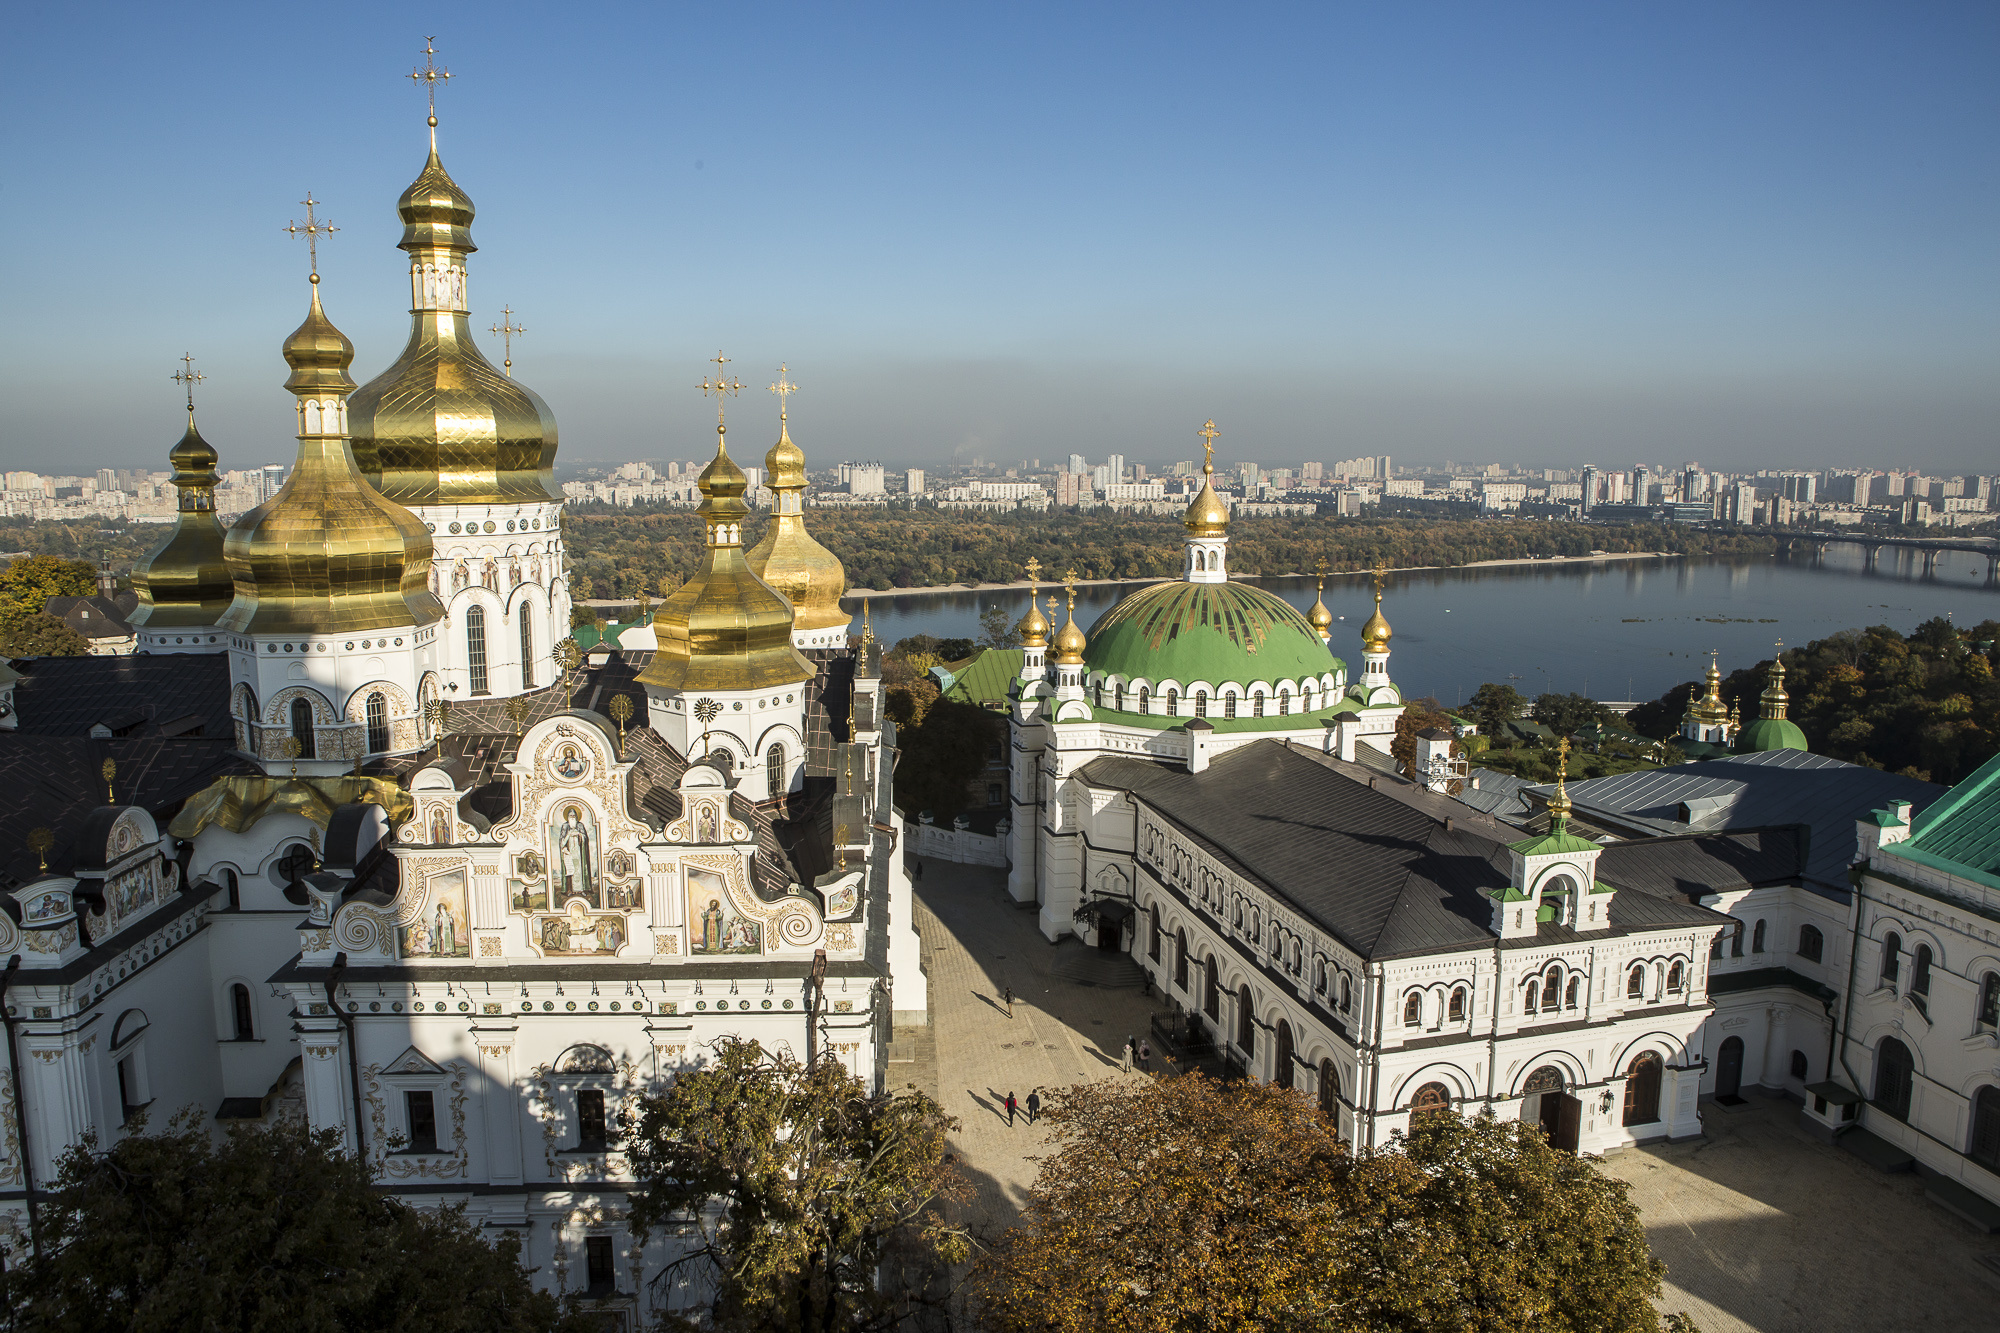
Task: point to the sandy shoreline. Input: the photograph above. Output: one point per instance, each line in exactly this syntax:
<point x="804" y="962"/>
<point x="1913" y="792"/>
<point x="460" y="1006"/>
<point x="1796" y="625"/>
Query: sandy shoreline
<point x="1332" y="577"/>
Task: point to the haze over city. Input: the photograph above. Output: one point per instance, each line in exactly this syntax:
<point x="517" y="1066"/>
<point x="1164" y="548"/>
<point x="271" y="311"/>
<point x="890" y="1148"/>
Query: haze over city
<point x="1548" y="234"/>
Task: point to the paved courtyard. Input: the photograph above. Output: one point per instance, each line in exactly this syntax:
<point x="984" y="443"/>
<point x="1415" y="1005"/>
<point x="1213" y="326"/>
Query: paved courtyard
<point x="1761" y="1226"/>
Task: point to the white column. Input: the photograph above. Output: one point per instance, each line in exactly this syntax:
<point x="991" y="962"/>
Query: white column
<point x="500" y="1100"/>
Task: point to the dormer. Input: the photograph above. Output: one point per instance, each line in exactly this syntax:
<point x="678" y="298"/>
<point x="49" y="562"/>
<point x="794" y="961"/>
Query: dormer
<point x="1881" y="828"/>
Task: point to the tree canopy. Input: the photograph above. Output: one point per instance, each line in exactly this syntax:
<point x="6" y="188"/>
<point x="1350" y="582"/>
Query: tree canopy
<point x="1183" y="1204"/>
<point x="39" y="634"/>
<point x="272" y="1230"/>
<point x="790" y="1186"/>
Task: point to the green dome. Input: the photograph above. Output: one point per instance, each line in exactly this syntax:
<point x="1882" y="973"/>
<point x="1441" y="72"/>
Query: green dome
<point x="1771" y="733"/>
<point x="1214" y="632"/>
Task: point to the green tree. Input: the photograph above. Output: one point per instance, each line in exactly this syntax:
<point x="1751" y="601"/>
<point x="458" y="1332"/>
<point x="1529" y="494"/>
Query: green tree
<point x="997" y="628"/>
<point x="1182" y="1204"/>
<point x="791" y="1187"/>
<point x="27" y="584"/>
<point x="1567" y="714"/>
<point x="273" y="1230"/>
<point x="944" y="749"/>
<point x="39" y="634"/>
<point x="1493" y="706"/>
<point x="1420" y="715"/>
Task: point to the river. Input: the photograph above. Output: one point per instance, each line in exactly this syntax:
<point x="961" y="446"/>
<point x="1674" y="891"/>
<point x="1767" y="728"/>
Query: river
<point x="1616" y="631"/>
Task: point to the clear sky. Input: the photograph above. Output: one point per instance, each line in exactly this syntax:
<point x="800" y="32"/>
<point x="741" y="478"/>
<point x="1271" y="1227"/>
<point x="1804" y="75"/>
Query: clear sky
<point x="1748" y="234"/>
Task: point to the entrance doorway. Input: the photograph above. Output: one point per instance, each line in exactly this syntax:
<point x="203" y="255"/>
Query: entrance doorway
<point x="1729" y="1071"/>
<point x="1109" y="935"/>
<point x="1559" y="1114"/>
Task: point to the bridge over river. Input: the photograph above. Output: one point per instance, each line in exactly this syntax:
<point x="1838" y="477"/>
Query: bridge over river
<point x="1815" y="543"/>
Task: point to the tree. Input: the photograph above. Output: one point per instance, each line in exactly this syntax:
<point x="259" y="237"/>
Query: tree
<point x="795" y="1185"/>
<point x="944" y="750"/>
<point x="39" y="634"/>
<point x="263" y="1229"/>
<point x="27" y="584"/>
<point x="1567" y="714"/>
<point x="1420" y="715"/>
<point x="997" y="629"/>
<point x="1494" y="706"/>
<point x="1183" y="1204"/>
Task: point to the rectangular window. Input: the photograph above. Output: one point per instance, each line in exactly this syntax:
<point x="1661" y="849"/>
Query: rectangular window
<point x="995" y="794"/>
<point x="590" y="1122"/>
<point x="597" y="1255"/>
<point x="125" y="1081"/>
<point x="423" y="1121"/>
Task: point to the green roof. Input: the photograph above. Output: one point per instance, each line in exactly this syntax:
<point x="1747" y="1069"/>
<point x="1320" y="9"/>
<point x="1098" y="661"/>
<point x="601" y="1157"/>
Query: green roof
<point x="1213" y="632"/>
<point x="587" y="637"/>
<point x="1771" y="733"/>
<point x="1554" y="843"/>
<point x="989" y="673"/>
<point x="1960" y="831"/>
<point x="1270" y="722"/>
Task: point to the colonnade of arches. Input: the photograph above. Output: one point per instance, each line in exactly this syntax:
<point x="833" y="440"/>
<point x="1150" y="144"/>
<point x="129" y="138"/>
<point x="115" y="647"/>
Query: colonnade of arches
<point x="1226" y="699"/>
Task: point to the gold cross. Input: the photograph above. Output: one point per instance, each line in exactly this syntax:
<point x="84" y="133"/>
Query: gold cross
<point x="312" y="231"/>
<point x="507" y="328"/>
<point x="719" y="386"/>
<point x="784" y="388"/>
<point x="190" y="377"/>
<point x="428" y="77"/>
<point x="1381" y="575"/>
<point x="1034" y="568"/>
<point x="1208" y="432"/>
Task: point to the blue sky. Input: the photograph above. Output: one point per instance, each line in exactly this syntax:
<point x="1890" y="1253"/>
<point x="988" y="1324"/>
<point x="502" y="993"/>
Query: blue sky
<point x="1753" y="235"/>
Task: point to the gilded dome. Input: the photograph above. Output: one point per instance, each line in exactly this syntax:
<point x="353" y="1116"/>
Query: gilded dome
<point x="1034" y="626"/>
<point x="725" y="628"/>
<point x="1211" y="632"/>
<point x="184" y="581"/>
<point x="1070" y="642"/>
<point x="442" y="425"/>
<point x="1207" y="516"/>
<point x="809" y="576"/>
<point x="1375" y="630"/>
<point x="1318" y="616"/>
<point x="327" y="553"/>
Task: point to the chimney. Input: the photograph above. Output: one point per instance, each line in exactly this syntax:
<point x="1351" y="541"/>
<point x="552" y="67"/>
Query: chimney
<point x="107" y="582"/>
<point x="1199" y="730"/>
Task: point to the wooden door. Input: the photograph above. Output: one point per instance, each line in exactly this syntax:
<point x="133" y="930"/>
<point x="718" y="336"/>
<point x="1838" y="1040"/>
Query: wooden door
<point x="1729" y="1068"/>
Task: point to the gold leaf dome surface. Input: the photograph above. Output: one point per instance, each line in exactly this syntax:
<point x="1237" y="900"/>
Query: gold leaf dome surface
<point x="184" y="581"/>
<point x="787" y="557"/>
<point x="327" y="553"/>
<point x="1375" y="630"/>
<point x="442" y="425"/>
<point x="1207" y="516"/>
<point x="1319" y="617"/>
<point x="1070" y="641"/>
<point x="1034" y="626"/>
<point x="725" y="628"/>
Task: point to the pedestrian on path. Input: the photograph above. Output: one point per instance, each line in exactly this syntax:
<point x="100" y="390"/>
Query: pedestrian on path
<point x="1010" y="1001"/>
<point x="1145" y="1058"/>
<point x="1125" y="1057"/>
<point x="1034" y="1105"/>
<point x="1010" y="1110"/>
<point x="920" y="870"/>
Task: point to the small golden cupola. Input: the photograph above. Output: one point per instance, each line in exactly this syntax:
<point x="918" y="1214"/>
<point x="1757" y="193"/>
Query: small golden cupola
<point x="1319" y="617"/>
<point x="327" y="553"/>
<point x="1207" y="521"/>
<point x="787" y="558"/>
<point x="1034" y="626"/>
<point x="184" y="582"/>
<point x="1375" y="631"/>
<point x="1070" y="642"/>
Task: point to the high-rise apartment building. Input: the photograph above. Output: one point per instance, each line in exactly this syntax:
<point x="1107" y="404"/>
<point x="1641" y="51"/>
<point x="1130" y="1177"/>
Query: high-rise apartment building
<point x="1115" y="465"/>
<point x="913" y="480"/>
<point x="1072" y="488"/>
<point x="1077" y="463"/>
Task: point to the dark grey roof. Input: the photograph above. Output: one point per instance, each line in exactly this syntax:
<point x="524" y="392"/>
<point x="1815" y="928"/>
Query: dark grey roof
<point x="137" y="695"/>
<point x="95" y="616"/>
<point x="1751" y="791"/>
<point x="1369" y="858"/>
<point x="1498" y="794"/>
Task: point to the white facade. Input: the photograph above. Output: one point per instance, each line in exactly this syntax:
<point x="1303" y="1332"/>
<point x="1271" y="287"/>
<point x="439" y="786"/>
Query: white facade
<point x="507" y="561"/>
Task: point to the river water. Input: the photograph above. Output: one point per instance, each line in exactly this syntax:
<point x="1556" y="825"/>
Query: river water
<point x="1624" y="630"/>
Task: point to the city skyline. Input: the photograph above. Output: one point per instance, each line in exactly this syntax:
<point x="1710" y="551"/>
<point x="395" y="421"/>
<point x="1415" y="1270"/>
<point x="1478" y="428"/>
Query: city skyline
<point x="1550" y="237"/>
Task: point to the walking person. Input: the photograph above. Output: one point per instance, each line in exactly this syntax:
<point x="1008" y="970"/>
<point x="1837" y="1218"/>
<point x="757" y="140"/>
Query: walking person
<point x="1125" y="1057"/>
<point x="1034" y="1105"/>
<point x="1010" y="1001"/>
<point x="1145" y="1058"/>
<point x="1010" y="1110"/>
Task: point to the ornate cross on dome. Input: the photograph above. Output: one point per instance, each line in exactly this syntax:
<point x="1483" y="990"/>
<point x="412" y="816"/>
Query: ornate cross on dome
<point x="719" y="386"/>
<point x="1381" y="577"/>
<point x="1208" y="432"/>
<point x="428" y="76"/>
<point x="508" y="331"/>
<point x="190" y="377"/>
<point x="312" y="231"/>
<point x="784" y="388"/>
<point x="1034" y="568"/>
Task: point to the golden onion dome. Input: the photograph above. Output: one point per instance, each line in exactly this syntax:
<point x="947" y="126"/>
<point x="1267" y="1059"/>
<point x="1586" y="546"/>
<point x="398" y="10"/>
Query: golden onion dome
<point x="1034" y="626"/>
<point x="442" y="425"/>
<point x="1070" y="642"/>
<point x="1375" y="630"/>
<point x="1319" y="617"/>
<point x="327" y="553"/>
<point x="787" y="557"/>
<point x="1207" y="516"/>
<point x="725" y="628"/>
<point x="184" y="581"/>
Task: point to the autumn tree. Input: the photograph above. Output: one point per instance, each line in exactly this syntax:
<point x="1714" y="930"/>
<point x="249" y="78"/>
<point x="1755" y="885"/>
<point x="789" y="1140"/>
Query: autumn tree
<point x="997" y="628"/>
<point x="1494" y="706"/>
<point x="789" y="1186"/>
<point x="1420" y="715"/>
<point x="945" y="750"/>
<point x="39" y="634"/>
<point x="27" y="584"/>
<point x="271" y="1230"/>
<point x="1183" y="1204"/>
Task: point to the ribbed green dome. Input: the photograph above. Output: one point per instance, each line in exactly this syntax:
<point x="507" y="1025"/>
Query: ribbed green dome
<point x="1771" y="733"/>
<point x="1213" y="632"/>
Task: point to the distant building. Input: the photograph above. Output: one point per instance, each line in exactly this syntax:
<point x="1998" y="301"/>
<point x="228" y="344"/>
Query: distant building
<point x="913" y="480"/>
<point x="1072" y="488"/>
<point x="863" y="478"/>
<point x="1077" y="464"/>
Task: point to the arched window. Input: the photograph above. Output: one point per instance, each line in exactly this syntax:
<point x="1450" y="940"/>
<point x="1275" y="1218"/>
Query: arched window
<point x="1533" y="999"/>
<point x="1642" y="1089"/>
<point x="1812" y="944"/>
<point x="1552" y="989"/>
<point x="1284" y="703"/>
<point x="302" y="728"/>
<point x="1431" y="1099"/>
<point x="1097" y="694"/>
<point x="1920" y="971"/>
<point x="1201" y="703"/>
<point x="1118" y="697"/>
<point x="1715" y="945"/>
<point x="1173" y="703"/>
<point x="1413" y="1011"/>
<point x="1346" y="993"/>
<point x="1282" y="1055"/>
<point x="1989" y="1000"/>
<point x="1635" y="982"/>
<point x="1153" y="940"/>
<point x="1257" y="705"/>
<point x="1984" y="1145"/>
<point x="1229" y="704"/>
<point x="527" y="614"/>
<point x="1246" y="1021"/>
<point x="1736" y="940"/>
<point x="774" y="771"/>
<point x="1675" y="976"/>
<point x="239" y="1012"/>
<point x="1895" y="1075"/>
<point x="1457" y="1009"/>
<point x="1757" y="938"/>
<point x="1799" y="1065"/>
<point x="378" y="723"/>
<point x="1892" y="958"/>
<point x="1145" y="699"/>
<point x="1569" y="993"/>
<point x="475" y="647"/>
<point x="1211" y="996"/>
<point x="1180" y="959"/>
<point x="1329" y="1090"/>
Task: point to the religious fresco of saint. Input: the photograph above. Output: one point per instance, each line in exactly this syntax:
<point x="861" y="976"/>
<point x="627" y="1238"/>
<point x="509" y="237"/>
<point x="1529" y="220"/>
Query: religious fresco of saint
<point x="622" y="886"/>
<point x="578" y="931"/>
<point x="573" y="856"/>
<point x="714" y="924"/>
<point x="439" y="931"/>
<point x="530" y="892"/>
